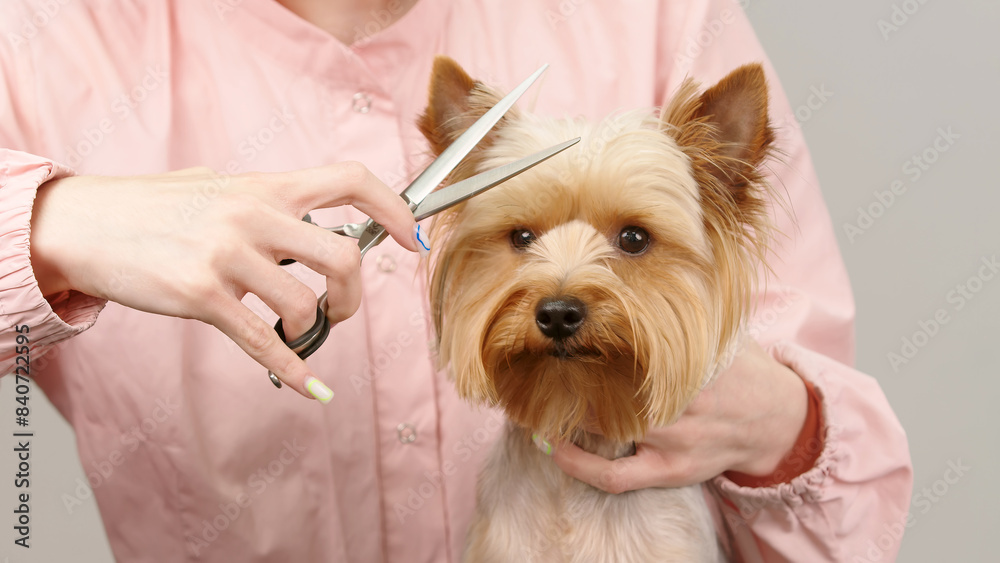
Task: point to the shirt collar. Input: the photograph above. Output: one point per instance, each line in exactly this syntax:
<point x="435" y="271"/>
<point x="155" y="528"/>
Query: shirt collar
<point x="303" y="47"/>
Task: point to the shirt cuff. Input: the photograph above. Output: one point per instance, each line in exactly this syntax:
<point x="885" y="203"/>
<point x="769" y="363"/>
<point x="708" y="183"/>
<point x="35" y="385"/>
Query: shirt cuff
<point x="21" y="302"/>
<point x="802" y="455"/>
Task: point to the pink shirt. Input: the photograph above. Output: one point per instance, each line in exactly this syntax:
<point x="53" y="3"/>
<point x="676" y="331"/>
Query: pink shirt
<point x="209" y="461"/>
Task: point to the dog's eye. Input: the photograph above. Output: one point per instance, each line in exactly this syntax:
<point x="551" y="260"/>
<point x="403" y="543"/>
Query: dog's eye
<point x="521" y="238"/>
<point x="633" y="239"/>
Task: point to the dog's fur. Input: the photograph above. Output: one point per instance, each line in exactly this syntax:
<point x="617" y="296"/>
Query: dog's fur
<point x="659" y="323"/>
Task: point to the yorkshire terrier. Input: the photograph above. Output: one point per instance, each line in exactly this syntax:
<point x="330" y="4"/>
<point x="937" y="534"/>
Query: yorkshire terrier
<point x="592" y="298"/>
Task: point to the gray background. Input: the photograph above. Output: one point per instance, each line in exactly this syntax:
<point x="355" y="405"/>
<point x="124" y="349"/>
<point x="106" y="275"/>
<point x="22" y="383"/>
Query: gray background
<point x="891" y="93"/>
<point x="941" y="69"/>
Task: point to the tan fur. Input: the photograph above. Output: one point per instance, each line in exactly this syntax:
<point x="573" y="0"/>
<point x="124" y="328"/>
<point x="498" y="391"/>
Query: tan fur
<point x="659" y="325"/>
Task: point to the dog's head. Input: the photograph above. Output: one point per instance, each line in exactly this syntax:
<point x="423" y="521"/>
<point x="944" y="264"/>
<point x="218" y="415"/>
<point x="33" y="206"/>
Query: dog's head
<point x="603" y="287"/>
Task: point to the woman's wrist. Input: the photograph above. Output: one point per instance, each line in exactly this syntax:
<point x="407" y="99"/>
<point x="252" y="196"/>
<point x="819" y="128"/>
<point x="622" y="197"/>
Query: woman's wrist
<point x="792" y="443"/>
<point x="771" y="437"/>
<point x="44" y="246"/>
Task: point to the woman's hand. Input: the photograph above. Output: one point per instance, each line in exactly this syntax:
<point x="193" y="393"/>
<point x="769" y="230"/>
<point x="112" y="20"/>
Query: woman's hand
<point x="192" y="243"/>
<point x="746" y="421"/>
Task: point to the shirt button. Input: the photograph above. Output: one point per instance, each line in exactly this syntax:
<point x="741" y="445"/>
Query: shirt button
<point x="406" y="432"/>
<point x="361" y="103"/>
<point x="385" y="263"/>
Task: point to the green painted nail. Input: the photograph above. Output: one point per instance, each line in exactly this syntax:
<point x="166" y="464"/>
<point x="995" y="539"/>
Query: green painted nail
<point x="316" y="387"/>
<point x="541" y="444"/>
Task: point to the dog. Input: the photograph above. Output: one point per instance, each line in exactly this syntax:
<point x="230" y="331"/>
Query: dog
<point x="592" y="298"/>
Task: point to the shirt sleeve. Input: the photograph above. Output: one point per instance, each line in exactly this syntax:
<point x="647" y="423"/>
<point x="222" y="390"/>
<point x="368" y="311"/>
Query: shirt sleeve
<point x="855" y="497"/>
<point x="22" y="304"/>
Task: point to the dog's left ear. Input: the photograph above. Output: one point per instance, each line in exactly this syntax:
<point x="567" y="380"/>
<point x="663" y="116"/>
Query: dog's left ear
<point x="727" y="127"/>
<point x="455" y="102"/>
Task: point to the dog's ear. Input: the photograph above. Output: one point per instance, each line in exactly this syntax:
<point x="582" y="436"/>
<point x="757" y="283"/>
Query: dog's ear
<point x="456" y="101"/>
<point x="725" y="130"/>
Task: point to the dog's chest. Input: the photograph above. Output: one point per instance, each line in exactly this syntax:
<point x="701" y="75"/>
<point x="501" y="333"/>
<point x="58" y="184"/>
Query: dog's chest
<point x="529" y="511"/>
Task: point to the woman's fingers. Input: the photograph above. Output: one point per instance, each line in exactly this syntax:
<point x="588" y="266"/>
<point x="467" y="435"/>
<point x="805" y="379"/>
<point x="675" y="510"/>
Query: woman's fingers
<point x="645" y="469"/>
<point x="343" y="298"/>
<point x="332" y="255"/>
<point x="611" y="476"/>
<point x="289" y="298"/>
<point x="345" y="183"/>
<point x="261" y="342"/>
<point x="335" y="257"/>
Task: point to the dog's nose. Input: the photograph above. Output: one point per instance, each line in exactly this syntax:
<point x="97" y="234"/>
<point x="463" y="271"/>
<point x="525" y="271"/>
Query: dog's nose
<point x="560" y="317"/>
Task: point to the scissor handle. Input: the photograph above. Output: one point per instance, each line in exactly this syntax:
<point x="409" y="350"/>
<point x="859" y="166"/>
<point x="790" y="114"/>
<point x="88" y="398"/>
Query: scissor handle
<point x="305" y="345"/>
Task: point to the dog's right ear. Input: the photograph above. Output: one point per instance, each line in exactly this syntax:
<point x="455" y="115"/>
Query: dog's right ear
<point x="456" y="102"/>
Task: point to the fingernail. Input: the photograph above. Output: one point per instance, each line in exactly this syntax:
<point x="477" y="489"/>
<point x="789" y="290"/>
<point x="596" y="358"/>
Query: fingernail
<point x="317" y="389"/>
<point x="423" y="243"/>
<point x="541" y="444"/>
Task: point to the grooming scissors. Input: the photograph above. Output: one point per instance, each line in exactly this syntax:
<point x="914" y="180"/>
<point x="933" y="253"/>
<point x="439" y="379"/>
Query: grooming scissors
<point x="418" y="195"/>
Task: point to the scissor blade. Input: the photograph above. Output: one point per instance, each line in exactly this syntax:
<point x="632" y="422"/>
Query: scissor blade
<point x="451" y="156"/>
<point x="438" y="170"/>
<point x="470" y="187"/>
